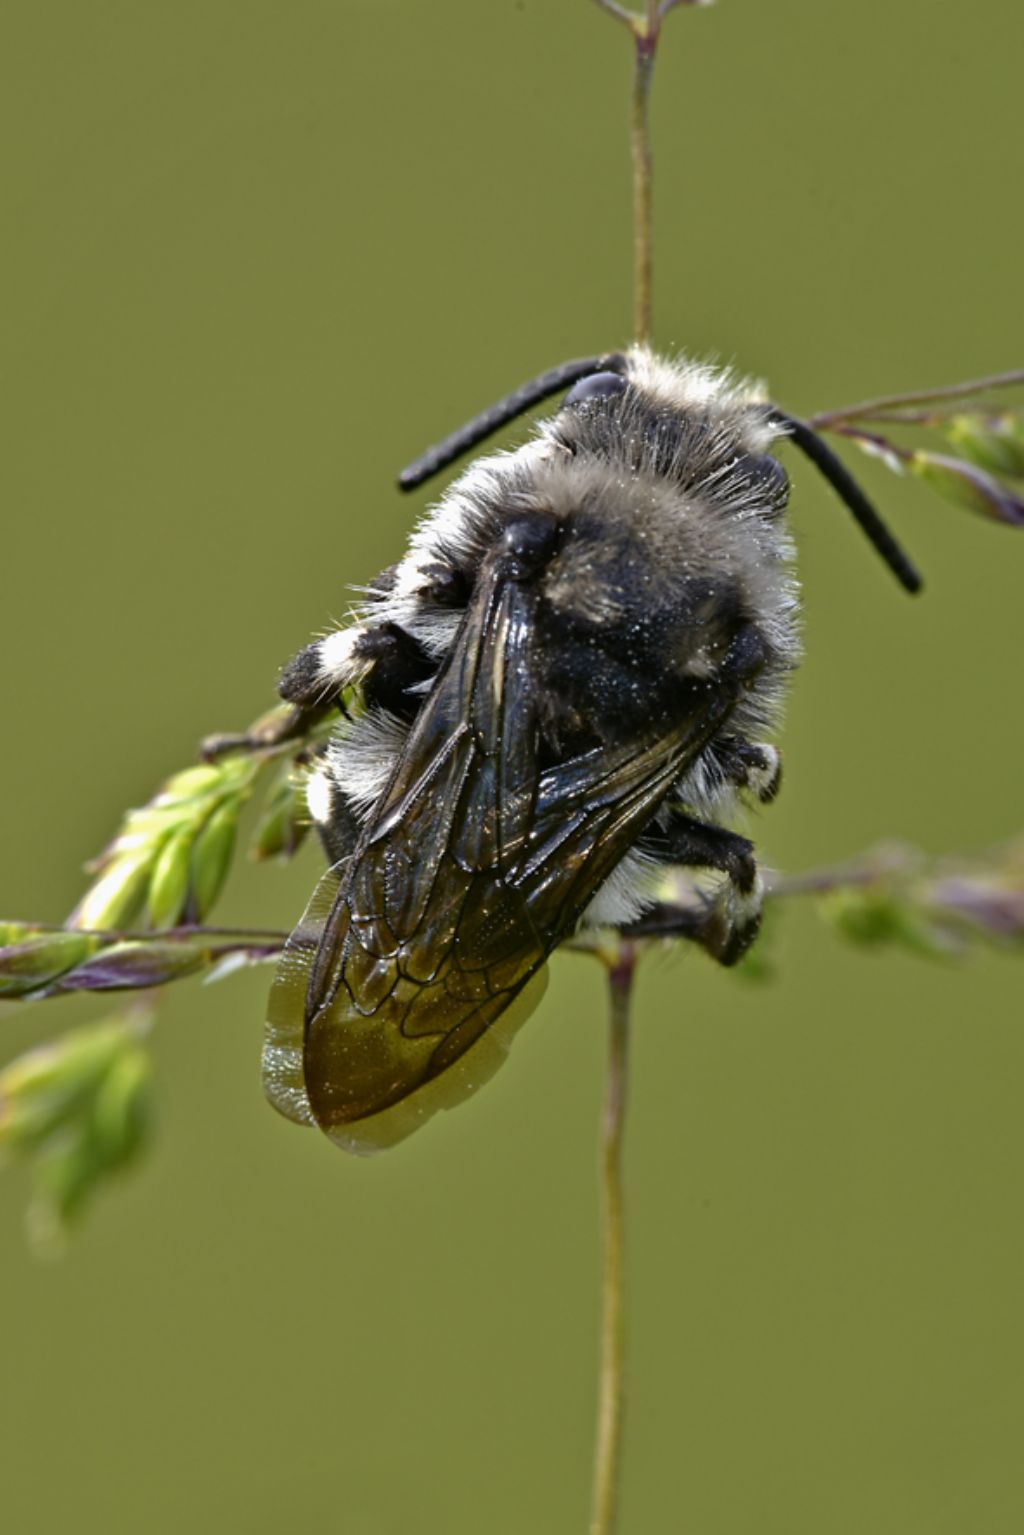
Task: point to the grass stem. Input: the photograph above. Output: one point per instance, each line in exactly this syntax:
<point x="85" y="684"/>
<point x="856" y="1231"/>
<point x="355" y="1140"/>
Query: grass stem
<point x="611" y="1401"/>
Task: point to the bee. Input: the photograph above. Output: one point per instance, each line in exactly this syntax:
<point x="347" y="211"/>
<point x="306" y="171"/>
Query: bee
<point x="565" y="685"/>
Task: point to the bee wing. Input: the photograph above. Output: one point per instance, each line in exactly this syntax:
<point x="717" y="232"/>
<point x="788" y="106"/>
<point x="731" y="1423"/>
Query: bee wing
<point x="418" y="959"/>
<point x="374" y="1000"/>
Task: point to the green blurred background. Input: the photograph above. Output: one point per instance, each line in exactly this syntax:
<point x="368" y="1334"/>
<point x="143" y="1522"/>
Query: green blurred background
<point x="256" y="256"/>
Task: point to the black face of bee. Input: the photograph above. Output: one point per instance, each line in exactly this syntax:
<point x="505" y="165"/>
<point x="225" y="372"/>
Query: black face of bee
<point x="562" y="684"/>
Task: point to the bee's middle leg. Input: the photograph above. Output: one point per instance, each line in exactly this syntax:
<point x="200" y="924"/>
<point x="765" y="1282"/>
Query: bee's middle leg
<point x="726" y="923"/>
<point x="753" y="766"/>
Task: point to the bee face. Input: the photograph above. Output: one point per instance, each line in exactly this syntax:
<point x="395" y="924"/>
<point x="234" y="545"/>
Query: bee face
<point x="563" y="685"/>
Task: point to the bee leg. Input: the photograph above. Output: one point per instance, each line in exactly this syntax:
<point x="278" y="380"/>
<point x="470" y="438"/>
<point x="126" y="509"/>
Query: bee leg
<point x="396" y="666"/>
<point x="756" y="767"/>
<point x="317" y="677"/>
<point x="715" y="922"/>
<point x="387" y="664"/>
<point x="312" y="683"/>
<point x="382" y="658"/>
<point x="725" y="923"/>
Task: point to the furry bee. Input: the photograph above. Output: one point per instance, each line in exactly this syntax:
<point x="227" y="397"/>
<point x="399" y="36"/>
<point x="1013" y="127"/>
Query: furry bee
<point x="565" y="683"/>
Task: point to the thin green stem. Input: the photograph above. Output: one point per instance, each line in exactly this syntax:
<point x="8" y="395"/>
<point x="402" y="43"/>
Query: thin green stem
<point x="608" y="1448"/>
<point x="866" y="408"/>
<point x="646" y="30"/>
<point x="618" y="11"/>
<point x="640" y="141"/>
<point x="890" y="452"/>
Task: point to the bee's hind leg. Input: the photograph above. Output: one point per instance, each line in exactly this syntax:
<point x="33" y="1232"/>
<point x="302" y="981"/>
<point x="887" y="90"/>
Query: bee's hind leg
<point x="725" y="923"/>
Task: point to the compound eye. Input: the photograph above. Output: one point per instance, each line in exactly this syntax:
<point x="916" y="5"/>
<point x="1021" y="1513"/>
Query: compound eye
<point x="597" y="386"/>
<point x="767" y="478"/>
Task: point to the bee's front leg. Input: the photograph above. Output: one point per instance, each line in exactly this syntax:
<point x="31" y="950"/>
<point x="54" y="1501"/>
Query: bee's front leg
<point x="382" y="659"/>
<point x="310" y="685"/>
<point x="726" y="923"/>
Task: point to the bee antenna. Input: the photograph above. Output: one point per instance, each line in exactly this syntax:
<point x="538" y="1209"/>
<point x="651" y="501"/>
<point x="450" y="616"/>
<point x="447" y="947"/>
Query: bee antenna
<point x="505" y="410"/>
<point x="847" y="489"/>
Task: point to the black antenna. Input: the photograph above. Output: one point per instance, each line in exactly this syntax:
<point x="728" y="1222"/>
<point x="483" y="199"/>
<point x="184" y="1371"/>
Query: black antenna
<point x="847" y="489"/>
<point x="522" y="399"/>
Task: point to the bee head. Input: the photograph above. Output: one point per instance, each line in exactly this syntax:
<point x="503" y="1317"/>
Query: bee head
<point x="669" y="419"/>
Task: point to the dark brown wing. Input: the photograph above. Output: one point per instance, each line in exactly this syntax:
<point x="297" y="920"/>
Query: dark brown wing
<point x="418" y="959"/>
